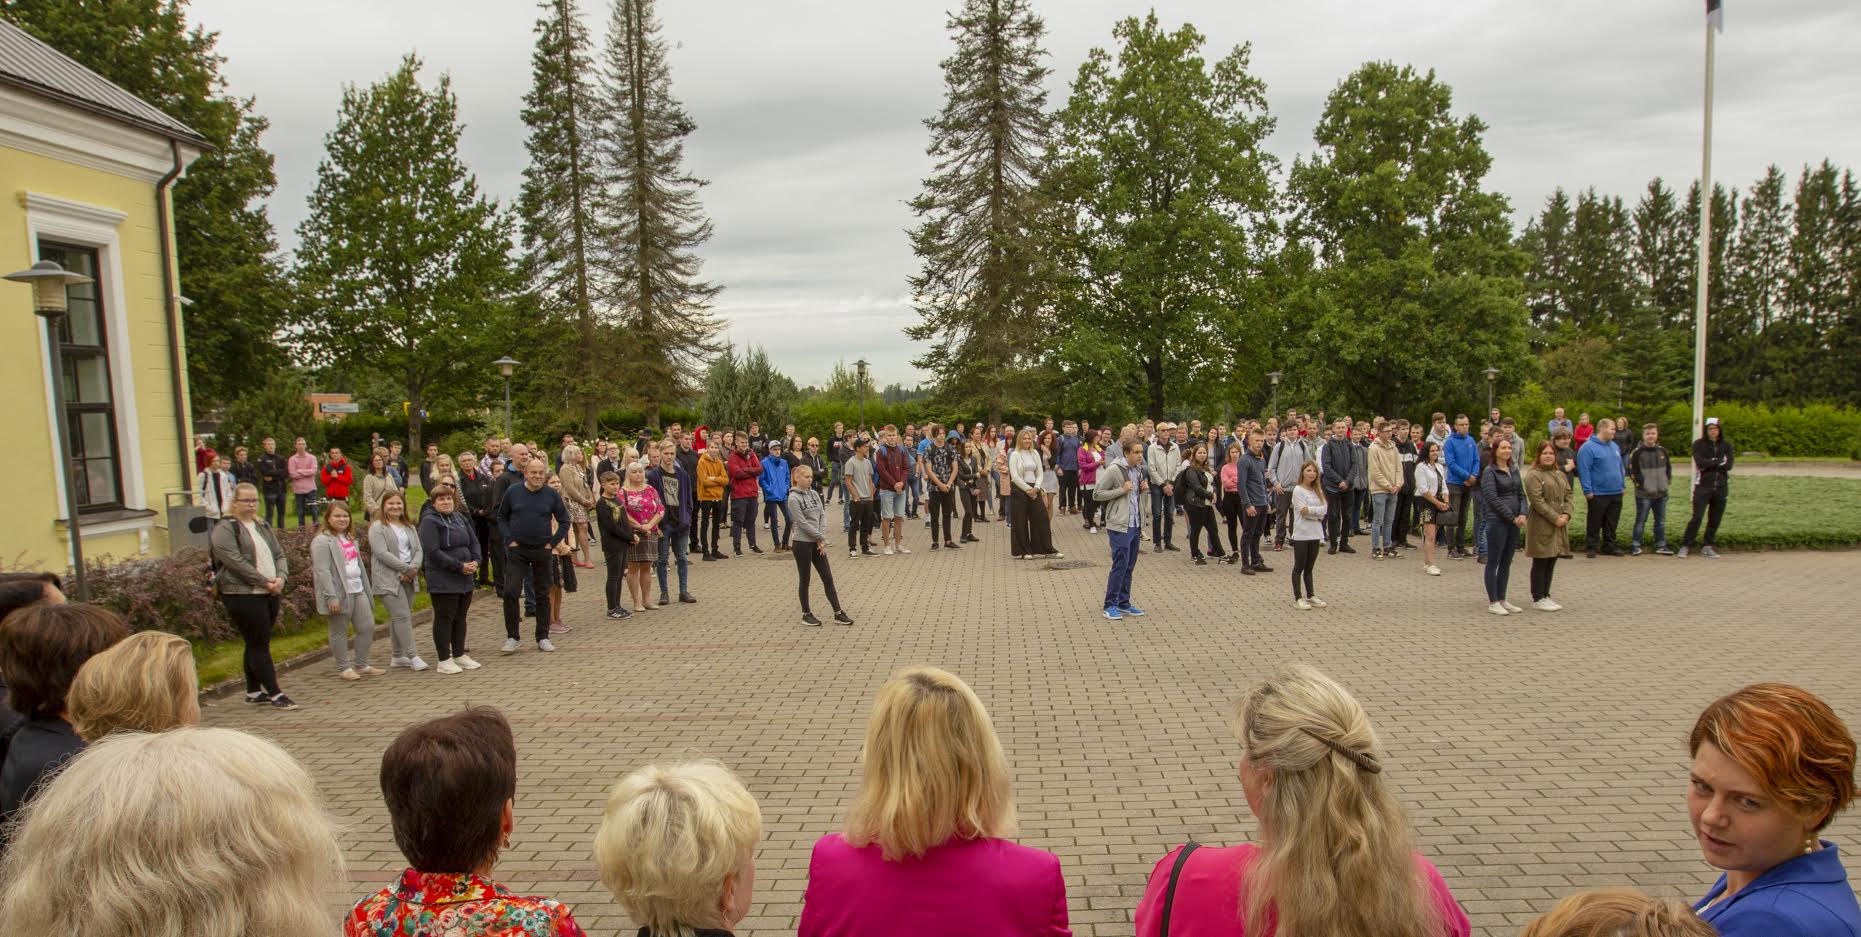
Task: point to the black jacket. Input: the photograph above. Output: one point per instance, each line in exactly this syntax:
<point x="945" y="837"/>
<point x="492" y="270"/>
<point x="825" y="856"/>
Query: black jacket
<point x="617" y="530"/>
<point x="1712" y="462"/>
<point x="1335" y="464"/>
<point x="1500" y="495"/>
<point x="37" y="750"/>
<point x="273" y="472"/>
<point x="476" y="491"/>
<point x="1194" y="488"/>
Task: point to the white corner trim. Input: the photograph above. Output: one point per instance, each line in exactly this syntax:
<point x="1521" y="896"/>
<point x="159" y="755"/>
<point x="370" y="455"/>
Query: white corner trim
<point x="47" y="128"/>
<point x="105" y="528"/>
<point x="72" y="211"/>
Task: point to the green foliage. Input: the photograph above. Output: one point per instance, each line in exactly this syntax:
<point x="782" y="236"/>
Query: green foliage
<point x="225" y="245"/>
<point x="1410" y="285"/>
<point x="1168" y="196"/>
<point x="739" y="389"/>
<point x="278" y="409"/>
<point x="1762" y="512"/>
<point x="1813" y="431"/>
<point x="403" y="266"/>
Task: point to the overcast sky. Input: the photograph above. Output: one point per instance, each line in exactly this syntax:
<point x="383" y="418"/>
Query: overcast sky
<point x="809" y="111"/>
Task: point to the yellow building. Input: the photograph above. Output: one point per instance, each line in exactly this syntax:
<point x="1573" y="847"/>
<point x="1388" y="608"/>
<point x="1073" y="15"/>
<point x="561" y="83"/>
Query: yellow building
<point x="86" y="172"/>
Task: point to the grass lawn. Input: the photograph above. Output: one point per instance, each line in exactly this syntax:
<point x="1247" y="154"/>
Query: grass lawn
<point x="1778" y="512"/>
<point x="217" y="662"/>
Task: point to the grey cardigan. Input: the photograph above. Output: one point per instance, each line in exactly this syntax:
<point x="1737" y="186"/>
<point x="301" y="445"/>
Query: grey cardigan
<point x="326" y="565"/>
<point x="810" y="515"/>
<point x="238" y="557"/>
<point x="384" y="568"/>
<point x="1115" y="511"/>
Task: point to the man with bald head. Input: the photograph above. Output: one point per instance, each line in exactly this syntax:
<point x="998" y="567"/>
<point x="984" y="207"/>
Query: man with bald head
<point x="532" y="519"/>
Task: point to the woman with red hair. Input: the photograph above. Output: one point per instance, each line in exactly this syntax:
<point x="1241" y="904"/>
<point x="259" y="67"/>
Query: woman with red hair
<point x="1772" y="766"/>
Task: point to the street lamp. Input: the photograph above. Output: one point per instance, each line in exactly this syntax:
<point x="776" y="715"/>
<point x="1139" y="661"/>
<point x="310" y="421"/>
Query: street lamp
<point x="861" y="365"/>
<point x="1492" y="375"/>
<point x="48" y="282"/>
<point x="506" y="365"/>
<point x="1274" y="376"/>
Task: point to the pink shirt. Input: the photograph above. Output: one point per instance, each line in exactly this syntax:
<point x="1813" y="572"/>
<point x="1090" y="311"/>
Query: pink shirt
<point x="641" y="505"/>
<point x="963" y="888"/>
<point x="1208" y="894"/>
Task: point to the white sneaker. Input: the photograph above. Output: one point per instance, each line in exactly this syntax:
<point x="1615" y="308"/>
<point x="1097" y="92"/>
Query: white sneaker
<point x="1546" y="605"/>
<point x="1056" y="555"/>
<point x="1497" y="609"/>
<point x="901" y="549"/>
<point x="511" y="645"/>
<point x="1511" y="608"/>
<point x="888" y="551"/>
<point x="1316" y="602"/>
<point x="448" y="668"/>
<point x="1432" y="570"/>
<point x="394" y="662"/>
<point x="545" y="645"/>
<point x="1303" y="605"/>
<point x="415" y="664"/>
<point x="852" y="554"/>
<point x="466" y="662"/>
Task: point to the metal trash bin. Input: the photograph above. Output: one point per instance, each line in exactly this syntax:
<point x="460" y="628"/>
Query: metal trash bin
<point x="188" y="524"/>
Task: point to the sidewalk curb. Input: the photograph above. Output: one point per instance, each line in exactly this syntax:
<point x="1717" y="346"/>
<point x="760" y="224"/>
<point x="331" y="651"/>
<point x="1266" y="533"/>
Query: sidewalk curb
<point x="235" y="685"/>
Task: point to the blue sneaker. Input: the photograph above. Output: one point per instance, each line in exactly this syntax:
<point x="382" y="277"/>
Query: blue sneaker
<point x="1113" y="614"/>
<point x="1132" y="611"/>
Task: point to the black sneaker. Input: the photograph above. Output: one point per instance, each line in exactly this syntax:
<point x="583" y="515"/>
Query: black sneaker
<point x="1332" y="550"/>
<point x="950" y="545"/>
<point x="1261" y="568"/>
<point x="807" y="618"/>
<point x="1173" y="548"/>
<point x="935" y="545"/>
<point x="259" y="697"/>
<point x="1346" y="548"/>
<point x="282" y="701"/>
<point x="1247" y="570"/>
<point x="755" y="549"/>
<point x="687" y="598"/>
<point x="1200" y="561"/>
<point x="708" y="558"/>
<point x="619" y="614"/>
<point x="843" y="618"/>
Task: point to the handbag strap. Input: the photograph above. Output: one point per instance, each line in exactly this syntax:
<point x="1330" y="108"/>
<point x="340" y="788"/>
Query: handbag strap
<point x="1169" y="896"/>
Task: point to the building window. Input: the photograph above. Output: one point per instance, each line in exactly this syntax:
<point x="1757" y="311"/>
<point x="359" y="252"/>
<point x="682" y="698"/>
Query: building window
<point x="90" y="407"/>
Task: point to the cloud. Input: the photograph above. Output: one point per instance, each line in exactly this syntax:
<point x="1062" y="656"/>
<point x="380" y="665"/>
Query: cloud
<point x="810" y="112"/>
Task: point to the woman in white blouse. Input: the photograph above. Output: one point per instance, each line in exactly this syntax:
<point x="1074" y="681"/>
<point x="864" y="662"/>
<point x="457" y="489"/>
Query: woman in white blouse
<point x="1031" y="533"/>
<point x="394" y="560"/>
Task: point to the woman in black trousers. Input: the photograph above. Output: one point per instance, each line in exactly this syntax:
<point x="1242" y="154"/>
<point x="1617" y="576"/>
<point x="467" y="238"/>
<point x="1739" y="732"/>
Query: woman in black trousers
<point x="250" y="570"/>
<point x="452" y="559"/>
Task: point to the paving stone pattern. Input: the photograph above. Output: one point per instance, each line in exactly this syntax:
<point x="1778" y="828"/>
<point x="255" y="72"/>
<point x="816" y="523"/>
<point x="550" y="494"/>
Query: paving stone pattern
<point x="1538" y="754"/>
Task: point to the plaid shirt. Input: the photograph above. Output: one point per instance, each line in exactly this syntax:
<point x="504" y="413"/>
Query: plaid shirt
<point x="444" y="904"/>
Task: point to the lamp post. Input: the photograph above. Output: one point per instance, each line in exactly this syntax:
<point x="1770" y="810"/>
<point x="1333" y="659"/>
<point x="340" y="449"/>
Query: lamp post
<point x="506" y="365"/>
<point x="48" y="282"/>
<point x="1274" y="376"/>
<point x="1492" y="375"/>
<point x="861" y="364"/>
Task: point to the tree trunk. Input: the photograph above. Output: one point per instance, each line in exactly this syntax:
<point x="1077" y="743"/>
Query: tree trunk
<point x="413" y="422"/>
<point x="1153" y="376"/>
<point x="652" y="417"/>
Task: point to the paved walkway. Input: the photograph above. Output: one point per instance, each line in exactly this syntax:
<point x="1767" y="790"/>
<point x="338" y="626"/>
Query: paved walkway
<point x="1539" y="754"/>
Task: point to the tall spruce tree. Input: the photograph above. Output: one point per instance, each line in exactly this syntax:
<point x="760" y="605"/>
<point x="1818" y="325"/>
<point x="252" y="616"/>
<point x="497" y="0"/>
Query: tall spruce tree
<point x="403" y="266"/>
<point x="557" y="205"/>
<point x="1547" y="239"/>
<point x="654" y="224"/>
<point x="224" y="242"/>
<point x="979" y="291"/>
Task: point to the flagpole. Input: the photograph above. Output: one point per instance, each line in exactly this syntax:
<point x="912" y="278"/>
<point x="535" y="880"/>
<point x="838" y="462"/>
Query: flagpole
<point x="1705" y="248"/>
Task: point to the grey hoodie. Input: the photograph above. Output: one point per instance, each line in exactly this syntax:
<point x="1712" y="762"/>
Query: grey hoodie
<point x="810" y="515"/>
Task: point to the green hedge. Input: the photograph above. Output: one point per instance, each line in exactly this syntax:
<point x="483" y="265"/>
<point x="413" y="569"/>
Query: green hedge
<point x="1762" y="512"/>
<point x="1813" y="431"/>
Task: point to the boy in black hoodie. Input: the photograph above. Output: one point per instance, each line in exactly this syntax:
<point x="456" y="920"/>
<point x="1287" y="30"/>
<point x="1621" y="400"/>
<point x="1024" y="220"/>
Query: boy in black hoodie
<point x="1652" y="472"/>
<point x="1712" y="463"/>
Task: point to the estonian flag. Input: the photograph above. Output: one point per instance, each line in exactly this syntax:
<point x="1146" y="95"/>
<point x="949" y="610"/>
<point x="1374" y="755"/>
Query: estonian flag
<point x="1715" y="14"/>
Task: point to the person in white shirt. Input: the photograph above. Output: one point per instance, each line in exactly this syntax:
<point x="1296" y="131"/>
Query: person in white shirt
<point x="394" y="561"/>
<point x="1308" y="532"/>
<point x="214" y="486"/>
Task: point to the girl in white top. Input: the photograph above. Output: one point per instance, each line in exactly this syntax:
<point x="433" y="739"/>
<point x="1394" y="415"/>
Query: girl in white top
<point x="342" y="590"/>
<point x="1031" y="535"/>
<point x="394" y="561"/>
<point x="1308" y="531"/>
<point x="1431" y="487"/>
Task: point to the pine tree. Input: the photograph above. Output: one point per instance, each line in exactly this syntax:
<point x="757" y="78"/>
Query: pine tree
<point x="1547" y="239"/>
<point x="559" y="197"/>
<point x="1602" y="289"/>
<point x="403" y="265"/>
<point x="224" y="242"/>
<point x="1663" y="255"/>
<point x="978" y="291"/>
<point x="653" y="221"/>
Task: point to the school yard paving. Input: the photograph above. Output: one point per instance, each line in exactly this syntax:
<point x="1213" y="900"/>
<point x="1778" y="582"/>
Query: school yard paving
<point x="1539" y="754"/>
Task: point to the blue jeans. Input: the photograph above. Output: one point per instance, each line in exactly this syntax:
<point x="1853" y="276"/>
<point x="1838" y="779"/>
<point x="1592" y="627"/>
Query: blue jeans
<point x="1658" y="506"/>
<point x="274" y="509"/>
<point x="1502" y="540"/>
<point x="913" y="490"/>
<point x="1384" y="505"/>
<point x="1480" y="542"/>
<point x="1123" y="561"/>
<point x="673" y="546"/>
<point x="305" y="515"/>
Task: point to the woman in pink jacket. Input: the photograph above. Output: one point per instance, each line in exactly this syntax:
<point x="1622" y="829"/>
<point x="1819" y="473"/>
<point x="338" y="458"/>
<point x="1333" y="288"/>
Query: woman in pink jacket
<point x="1335" y="858"/>
<point x="922" y="855"/>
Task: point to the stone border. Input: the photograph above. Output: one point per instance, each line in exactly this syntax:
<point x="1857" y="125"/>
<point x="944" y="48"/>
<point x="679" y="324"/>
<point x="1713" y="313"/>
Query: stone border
<point x="236" y="685"/>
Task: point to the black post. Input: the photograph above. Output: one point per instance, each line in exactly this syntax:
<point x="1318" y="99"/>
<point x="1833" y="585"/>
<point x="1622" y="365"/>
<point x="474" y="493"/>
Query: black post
<point x="62" y="428"/>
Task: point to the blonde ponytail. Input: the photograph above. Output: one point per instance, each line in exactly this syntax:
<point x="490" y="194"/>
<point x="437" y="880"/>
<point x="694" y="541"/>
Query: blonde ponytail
<point x="1337" y="860"/>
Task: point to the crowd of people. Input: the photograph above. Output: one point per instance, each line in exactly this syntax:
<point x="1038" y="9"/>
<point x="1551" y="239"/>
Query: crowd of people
<point x="123" y="816"/>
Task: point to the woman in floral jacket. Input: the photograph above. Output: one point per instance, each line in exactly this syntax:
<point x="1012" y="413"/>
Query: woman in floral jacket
<point x="449" y="785"/>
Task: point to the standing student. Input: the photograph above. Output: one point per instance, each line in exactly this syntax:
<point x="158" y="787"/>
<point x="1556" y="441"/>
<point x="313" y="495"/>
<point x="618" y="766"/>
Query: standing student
<point x="1547" y="528"/>
<point x="1251" y="480"/>
<point x="810" y="544"/>
<point x="1652" y="471"/>
<point x="1229" y="500"/>
<point x="969" y="474"/>
<point x="1309" y="508"/>
<point x="1599" y="468"/>
<point x="1337" y="462"/>
<point x="1408" y="439"/>
<point x="1431" y="493"/>
<point x="1118" y="492"/>
<point x="774" y="482"/>
<point x="1068" y="464"/>
<point x="1283" y="467"/>
<point x="274" y="473"/>
<point x="474" y="500"/>
<point x="532" y="522"/>
<point x="452" y="556"/>
<point x="1090" y="457"/>
<point x="1162" y="462"/>
<point x="376" y="485"/>
<point x="617" y="536"/>
<point x="251" y="570"/>
<point x="646" y="512"/>
<point x="394" y="561"/>
<point x="674" y="485"/>
<point x="1501" y="500"/>
<point x="1461" y="454"/>
<point x="1197" y="493"/>
<point x="1385" y="477"/>
<point x="1032" y="533"/>
<point x="745" y="468"/>
<point x="940" y="472"/>
<point x="578" y="495"/>
<point x="1712" y="469"/>
<point x="214" y="486"/>
<point x="342" y="590"/>
<point x="713" y="480"/>
<point x="302" y="467"/>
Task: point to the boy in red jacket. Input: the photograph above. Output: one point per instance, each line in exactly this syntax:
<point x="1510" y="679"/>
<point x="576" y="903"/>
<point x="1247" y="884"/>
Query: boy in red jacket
<point x="338" y="475"/>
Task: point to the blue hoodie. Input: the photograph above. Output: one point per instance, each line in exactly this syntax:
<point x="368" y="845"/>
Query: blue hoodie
<point x="774" y="479"/>
<point x="1462" y="456"/>
<point x="1599" y="467"/>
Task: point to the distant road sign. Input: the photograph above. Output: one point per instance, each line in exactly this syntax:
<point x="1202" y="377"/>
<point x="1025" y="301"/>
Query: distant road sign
<point x="340" y="407"/>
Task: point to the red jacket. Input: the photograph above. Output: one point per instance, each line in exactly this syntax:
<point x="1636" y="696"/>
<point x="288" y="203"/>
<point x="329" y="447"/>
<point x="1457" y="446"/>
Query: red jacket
<point x="337" y="477"/>
<point x="745" y="468"/>
<point x="893" y="467"/>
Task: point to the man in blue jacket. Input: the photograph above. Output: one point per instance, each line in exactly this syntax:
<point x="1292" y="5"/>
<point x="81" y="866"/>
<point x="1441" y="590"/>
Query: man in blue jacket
<point x="1334" y="467"/>
<point x="1462" y="456"/>
<point x="1069" y="468"/>
<point x="1599" y="469"/>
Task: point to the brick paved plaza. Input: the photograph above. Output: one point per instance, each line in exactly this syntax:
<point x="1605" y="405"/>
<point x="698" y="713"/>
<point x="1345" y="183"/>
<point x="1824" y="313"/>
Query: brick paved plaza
<point x="1539" y="754"/>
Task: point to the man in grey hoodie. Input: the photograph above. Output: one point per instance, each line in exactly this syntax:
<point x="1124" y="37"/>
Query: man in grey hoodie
<point x="1653" y="473"/>
<point x="1289" y="455"/>
<point x="1120" y="480"/>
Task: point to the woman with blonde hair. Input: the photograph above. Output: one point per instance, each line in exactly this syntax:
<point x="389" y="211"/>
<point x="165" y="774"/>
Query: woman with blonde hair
<point x="1032" y="534"/>
<point x="394" y="560"/>
<point x="923" y="852"/>
<point x="578" y="492"/>
<point x="1618" y="912"/>
<point x="377" y="484"/>
<point x="143" y="683"/>
<point x="1334" y="857"/>
<point x="189" y="833"/>
<point x="677" y="848"/>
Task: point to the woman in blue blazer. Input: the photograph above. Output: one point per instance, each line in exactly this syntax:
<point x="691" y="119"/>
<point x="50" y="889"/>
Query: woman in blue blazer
<point x="1772" y="765"/>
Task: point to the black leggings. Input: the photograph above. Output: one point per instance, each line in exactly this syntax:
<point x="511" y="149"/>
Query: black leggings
<point x="970" y="512"/>
<point x="1542" y="568"/>
<point x="1231" y="515"/>
<point x="859" y="528"/>
<point x="942" y="512"/>
<point x="449" y="623"/>
<point x="253" y="616"/>
<point x="1304" y="555"/>
<point x="1201" y="520"/>
<point x="710" y="517"/>
<point x="616" y="569"/>
<point x="808" y="553"/>
<point x="1089" y="506"/>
